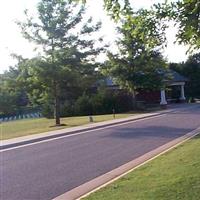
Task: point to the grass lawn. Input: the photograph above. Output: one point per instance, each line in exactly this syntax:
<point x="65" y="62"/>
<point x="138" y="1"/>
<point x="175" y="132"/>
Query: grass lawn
<point x="25" y="127"/>
<point x="172" y="176"/>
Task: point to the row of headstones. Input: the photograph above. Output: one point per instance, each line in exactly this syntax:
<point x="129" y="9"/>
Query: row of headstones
<point x="18" y="117"/>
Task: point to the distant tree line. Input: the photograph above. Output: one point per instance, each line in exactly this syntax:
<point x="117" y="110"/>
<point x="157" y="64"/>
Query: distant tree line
<point x="191" y="70"/>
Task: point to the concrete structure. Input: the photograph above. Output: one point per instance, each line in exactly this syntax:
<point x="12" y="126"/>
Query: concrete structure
<point x="173" y="79"/>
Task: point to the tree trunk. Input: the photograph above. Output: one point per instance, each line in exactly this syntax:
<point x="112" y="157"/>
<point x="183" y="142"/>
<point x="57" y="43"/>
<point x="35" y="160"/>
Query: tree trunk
<point x="57" y="106"/>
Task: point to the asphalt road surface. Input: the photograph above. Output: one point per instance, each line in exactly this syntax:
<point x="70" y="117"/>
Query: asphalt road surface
<point x="49" y="169"/>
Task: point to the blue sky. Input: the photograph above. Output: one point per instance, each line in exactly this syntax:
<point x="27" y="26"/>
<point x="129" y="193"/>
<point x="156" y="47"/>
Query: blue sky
<point x="11" y="40"/>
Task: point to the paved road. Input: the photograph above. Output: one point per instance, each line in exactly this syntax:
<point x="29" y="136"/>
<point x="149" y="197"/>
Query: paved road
<point x="46" y="170"/>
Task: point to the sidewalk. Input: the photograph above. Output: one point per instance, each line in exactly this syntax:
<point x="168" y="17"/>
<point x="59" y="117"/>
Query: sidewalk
<point x="4" y="144"/>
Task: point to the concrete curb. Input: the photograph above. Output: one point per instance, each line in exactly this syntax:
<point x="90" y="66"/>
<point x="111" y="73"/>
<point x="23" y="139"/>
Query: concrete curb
<point x="105" y="179"/>
<point x="70" y="131"/>
<point x="20" y="141"/>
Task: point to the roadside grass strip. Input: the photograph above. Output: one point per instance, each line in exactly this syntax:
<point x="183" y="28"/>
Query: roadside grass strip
<point x="19" y="128"/>
<point x="173" y="175"/>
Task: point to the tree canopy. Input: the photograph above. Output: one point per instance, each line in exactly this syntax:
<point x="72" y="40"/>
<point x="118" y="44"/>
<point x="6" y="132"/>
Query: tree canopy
<point x="68" y="57"/>
<point x="138" y="64"/>
<point x="12" y="95"/>
<point x="66" y="65"/>
<point x="185" y="14"/>
<point x="191" y="70"/>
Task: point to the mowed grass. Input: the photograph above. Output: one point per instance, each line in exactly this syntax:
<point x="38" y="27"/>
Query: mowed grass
<point x="172" y="176"/>
<point x="25" y="127"/>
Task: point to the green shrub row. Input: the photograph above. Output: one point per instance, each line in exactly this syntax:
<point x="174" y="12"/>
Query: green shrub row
<point x="103" y="102"/>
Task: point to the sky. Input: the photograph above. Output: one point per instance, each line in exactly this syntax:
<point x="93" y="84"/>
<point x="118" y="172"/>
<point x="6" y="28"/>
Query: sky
<point x="11" y="40"/>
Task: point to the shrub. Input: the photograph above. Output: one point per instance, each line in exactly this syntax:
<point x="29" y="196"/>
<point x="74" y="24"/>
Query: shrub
<point x="47" y="111"/>
<point x="103" y="102"/>
<point x="83" y="105"/>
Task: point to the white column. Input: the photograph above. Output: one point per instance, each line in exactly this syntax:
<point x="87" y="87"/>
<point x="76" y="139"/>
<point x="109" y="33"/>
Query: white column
<point x="182" y="97"/>
<point x="163" y="100"/>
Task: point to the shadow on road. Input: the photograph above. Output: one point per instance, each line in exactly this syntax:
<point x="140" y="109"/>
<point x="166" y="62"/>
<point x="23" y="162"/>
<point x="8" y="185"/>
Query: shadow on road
<point x="149" y="131"/>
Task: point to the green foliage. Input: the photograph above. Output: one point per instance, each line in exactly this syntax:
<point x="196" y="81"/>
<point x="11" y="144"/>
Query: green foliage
<point x="138" y="64"/>
<point x="115" y="8"/>
<point x="103" y="102"/>
<point x="83" y="106"/>
<point x="8" y="102"/>
<point x="188" y="19"/>
<point x="186" y="15"/>
<point x="191" y="70"/>
<point x="68" y="59"/>
<point x="107" y="100"/>
<point x="144" y="25"/>
<point x="47" y="110"/>
<point x="12" y="96"/>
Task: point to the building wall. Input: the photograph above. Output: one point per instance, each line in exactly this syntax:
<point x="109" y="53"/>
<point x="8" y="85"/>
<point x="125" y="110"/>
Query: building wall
<point x="148" y="96"/>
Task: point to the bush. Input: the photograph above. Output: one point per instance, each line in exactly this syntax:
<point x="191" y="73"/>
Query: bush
<point x="103" y="103"/>
<point x="47" y="111"/>
<point x="83" y="106"/>
<point x="67" y="109"/>
<point x="124" y="102"/>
